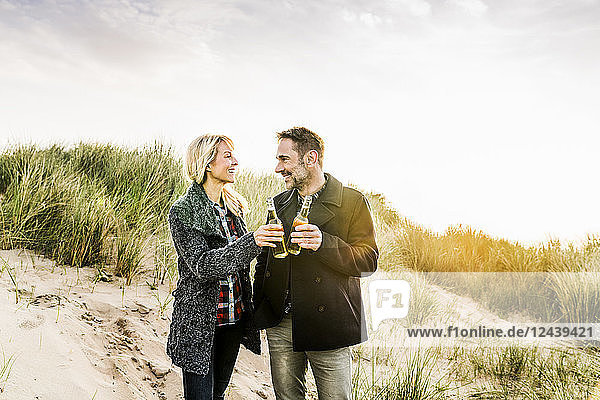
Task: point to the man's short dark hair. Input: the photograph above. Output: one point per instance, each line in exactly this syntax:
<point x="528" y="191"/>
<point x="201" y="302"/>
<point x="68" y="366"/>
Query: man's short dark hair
<point x="304" y="140"/>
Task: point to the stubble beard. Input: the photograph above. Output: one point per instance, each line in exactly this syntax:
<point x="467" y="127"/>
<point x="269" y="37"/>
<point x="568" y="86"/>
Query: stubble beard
<point x="303" y="179"/>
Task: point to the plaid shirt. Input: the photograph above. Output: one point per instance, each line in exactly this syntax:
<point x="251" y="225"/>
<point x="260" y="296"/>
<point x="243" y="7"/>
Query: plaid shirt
<point x="230" y="305"/>
<point x="314" y="196"/>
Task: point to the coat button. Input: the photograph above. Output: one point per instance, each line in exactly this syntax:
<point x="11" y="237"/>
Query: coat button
<point x="321" y="308"/>
<point x="318" y="279"/>
<point x="268" y="274"/>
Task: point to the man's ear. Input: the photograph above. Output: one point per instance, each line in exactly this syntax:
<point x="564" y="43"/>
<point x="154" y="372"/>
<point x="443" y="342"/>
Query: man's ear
<point x="312" y="158"/>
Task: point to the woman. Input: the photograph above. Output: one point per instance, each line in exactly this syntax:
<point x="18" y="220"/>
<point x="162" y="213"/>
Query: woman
<point x="212" y="306"/>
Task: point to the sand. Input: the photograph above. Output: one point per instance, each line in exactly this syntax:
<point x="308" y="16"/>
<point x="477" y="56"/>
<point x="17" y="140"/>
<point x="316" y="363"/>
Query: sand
<point x="74" y="339"/>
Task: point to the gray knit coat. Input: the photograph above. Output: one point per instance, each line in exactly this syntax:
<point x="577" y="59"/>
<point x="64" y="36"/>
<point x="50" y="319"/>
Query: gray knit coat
<point x="204" y="257"/>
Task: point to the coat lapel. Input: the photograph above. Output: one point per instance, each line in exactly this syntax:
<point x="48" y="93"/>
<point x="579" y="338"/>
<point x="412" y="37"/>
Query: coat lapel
<point x="288" y="210"/>
<point x="194" y="210"/>
<point x="320" y="211"/>
<point x="320" y="214"/>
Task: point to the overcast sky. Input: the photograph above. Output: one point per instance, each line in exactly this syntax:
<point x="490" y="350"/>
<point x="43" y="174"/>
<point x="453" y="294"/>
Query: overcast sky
<point x="477" y="112"/>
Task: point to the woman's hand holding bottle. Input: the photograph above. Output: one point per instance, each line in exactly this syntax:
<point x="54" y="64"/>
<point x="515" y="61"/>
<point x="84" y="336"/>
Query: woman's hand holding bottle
<point x="267" y="235"/>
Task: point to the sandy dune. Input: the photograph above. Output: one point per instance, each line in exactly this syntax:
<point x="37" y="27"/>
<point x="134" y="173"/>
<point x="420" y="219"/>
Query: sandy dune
<point x="73" y="339"/>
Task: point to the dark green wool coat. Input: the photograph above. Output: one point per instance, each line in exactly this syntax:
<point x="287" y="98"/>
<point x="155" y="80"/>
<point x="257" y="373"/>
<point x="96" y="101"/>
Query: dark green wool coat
<point x="204" y="257"/>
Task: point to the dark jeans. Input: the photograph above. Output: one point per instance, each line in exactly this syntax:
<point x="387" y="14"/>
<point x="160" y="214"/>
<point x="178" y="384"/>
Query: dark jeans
<point x="225" y="349"/>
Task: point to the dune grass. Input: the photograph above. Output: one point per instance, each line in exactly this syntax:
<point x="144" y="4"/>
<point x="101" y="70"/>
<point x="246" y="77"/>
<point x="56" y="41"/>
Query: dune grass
<point x="91" y="204"/>
<point x="6" y="365"/>
<point x="515" y="372"/>
<point x="494" y="373"/>
<point x="462" y="249"/>
<point x="103" y="206"/>
<point x="97" y="203"/>
<point x="412" y="377"/>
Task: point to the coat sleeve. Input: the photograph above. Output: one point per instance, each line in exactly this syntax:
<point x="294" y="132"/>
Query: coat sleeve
<point x="259" y="273"/>
<point x="358" y="255"/>
<point x="211" y="264"/>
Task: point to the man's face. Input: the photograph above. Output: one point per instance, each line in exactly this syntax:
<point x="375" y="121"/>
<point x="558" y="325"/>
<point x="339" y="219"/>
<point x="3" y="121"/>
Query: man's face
<point x="291" y="166"/>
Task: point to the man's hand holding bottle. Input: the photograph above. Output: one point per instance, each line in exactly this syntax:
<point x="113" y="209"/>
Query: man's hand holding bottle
<point x="308" y="236"/>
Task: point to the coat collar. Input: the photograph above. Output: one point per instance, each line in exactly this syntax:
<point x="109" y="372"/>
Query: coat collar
<point x="320" y="212"/>
<point x="195" y="210"/>
<point x="332" y="193"/>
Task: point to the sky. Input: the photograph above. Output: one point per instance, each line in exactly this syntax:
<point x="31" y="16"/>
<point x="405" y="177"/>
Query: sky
<point x="473" y="112"/>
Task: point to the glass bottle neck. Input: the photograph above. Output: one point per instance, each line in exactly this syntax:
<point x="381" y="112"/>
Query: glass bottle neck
<point x="305" y="209"/>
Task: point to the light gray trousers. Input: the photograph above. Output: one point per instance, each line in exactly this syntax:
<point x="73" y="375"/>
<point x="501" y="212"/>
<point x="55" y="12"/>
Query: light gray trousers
<point x="332" y="369"/>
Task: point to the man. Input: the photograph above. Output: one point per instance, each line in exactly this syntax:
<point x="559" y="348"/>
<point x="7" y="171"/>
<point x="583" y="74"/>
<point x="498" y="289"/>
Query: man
<point x="310" y="304"/>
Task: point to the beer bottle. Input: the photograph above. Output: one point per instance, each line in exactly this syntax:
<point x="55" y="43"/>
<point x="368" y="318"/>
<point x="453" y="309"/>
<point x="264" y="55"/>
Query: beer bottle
<point x="279" y="251"/>
<point x="301" y="218"/>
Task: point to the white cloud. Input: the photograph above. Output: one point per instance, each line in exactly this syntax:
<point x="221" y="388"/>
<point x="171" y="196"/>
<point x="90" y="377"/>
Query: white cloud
<point x="417" y="8"/>
<point x="371" y="20"/>
<point x="476" y="8"/>
<point x="444" y="88"/>
<point x="348" y="15"/>
<point x="106" y="40"/>
<point x="6" y="5"/>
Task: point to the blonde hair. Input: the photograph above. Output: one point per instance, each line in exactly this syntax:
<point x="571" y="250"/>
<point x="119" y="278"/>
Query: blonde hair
<point x="201" y="152"/>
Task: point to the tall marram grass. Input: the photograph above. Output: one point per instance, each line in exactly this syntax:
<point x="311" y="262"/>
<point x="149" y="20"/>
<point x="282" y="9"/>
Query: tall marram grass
<point x="91" y="204"/>
<point x="515" y="372"/>
<point x="99" y="204"/>
<point x="96" y="203"/>
<point x="105" y="206"/>
<point x="6" y="365"/>
<point x="462" y="249"/>
<point x="412" y="376"/>
<point x="566" y="277"/>
<point x="256" y="188"/>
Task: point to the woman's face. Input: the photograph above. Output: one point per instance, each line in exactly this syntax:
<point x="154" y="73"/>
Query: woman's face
<point x="224" y="167"/>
